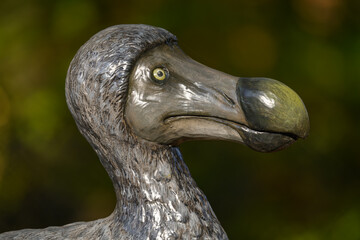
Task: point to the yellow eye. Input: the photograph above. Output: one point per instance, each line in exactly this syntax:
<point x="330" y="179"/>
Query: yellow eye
<point x="159" y="74"/>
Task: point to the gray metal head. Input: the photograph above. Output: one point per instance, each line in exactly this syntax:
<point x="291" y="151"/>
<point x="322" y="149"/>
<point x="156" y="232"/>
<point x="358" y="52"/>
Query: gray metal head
<point x="112" y="94"/>
<point x="97" y="79"/>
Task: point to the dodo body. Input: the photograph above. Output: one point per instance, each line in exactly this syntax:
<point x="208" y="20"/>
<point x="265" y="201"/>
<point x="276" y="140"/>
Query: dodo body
<point x="135" y="96"/>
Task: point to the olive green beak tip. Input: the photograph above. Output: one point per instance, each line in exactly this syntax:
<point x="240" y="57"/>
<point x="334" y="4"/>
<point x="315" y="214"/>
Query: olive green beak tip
<point x="271" y="106"/>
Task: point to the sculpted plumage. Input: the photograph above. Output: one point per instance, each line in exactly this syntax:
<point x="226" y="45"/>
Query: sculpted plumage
<point x="136" y="96"/>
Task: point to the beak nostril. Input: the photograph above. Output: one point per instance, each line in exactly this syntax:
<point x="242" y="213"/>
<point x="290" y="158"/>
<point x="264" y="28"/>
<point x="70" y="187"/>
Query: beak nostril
<point x="228" y="99"/>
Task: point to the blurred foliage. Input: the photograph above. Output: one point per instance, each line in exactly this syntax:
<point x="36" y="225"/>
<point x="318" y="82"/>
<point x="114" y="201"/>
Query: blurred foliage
<point x="49" y="175"/>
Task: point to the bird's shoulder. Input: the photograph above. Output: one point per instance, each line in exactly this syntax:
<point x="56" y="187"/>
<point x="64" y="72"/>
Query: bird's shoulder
<point x="100" y="229"/>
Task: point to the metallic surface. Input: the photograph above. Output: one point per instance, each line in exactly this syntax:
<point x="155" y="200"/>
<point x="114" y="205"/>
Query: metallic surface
<point x="271" y="106"/>
<point x="197" y="102"/>
<point x="135" y="123"/>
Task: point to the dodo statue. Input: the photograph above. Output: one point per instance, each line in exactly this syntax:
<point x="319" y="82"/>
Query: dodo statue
<point x="135" y="96"/>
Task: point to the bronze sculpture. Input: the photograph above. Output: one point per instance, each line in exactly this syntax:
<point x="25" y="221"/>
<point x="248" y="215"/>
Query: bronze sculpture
<point x="136" y="96"/>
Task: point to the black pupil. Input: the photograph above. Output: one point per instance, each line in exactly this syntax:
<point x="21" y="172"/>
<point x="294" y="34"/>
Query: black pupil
<point x="160" y="73"/>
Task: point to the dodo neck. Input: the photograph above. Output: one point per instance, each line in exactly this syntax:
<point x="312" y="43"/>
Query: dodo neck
<point x="156" y="193"/>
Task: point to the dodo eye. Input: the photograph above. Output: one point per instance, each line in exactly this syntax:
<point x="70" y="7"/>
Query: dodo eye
<point x="160" y="74"/>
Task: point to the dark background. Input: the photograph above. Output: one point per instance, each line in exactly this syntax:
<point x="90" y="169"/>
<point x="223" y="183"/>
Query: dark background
<point x="49" y="175"/>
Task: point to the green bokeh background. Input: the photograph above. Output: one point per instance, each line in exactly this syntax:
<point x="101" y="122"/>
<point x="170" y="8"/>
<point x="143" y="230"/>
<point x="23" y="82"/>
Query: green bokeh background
<point x="49" y="175"/>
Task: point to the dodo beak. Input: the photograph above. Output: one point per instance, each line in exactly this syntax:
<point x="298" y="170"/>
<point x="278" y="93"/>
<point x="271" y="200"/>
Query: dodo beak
<point x="197" y="102"/>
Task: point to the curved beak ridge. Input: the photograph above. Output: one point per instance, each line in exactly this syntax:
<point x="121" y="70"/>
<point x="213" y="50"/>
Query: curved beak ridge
<point x="270" y="106"/>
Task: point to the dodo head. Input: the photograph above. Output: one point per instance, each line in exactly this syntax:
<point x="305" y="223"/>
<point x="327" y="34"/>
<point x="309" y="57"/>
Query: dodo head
<point x="133" y="81"/>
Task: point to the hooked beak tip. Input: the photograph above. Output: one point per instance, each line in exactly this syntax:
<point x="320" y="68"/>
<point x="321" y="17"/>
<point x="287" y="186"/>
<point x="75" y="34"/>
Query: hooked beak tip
<point x="271" y="106"/>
